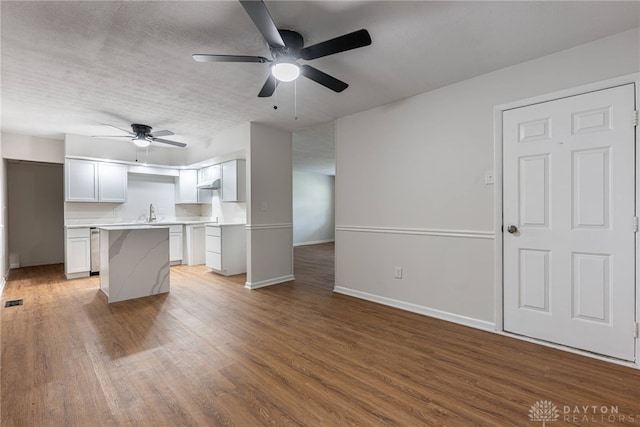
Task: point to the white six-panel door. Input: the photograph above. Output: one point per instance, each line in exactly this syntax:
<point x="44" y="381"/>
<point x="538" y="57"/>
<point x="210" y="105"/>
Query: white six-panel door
<point x="568" y="209"/>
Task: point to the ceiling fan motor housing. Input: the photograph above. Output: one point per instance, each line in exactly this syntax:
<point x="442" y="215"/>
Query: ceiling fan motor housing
<point x="293" y="45"/>
<point x="141" y="129"/>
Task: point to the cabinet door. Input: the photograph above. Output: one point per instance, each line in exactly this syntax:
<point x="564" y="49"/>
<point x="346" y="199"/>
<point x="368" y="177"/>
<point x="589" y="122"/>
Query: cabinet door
<point x="186" y="191"/>
<point x="214" y="260"/>
<point x="198" y="246"/>
<point x="81" y="180"/>
<point x="112" y="182"/>
<point x="233" y="181"/>
<point x="175" y="247"/>
<point x="78" y="255"/>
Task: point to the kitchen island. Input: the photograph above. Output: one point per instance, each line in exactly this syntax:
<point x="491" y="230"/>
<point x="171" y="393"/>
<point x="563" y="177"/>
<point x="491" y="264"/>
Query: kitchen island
<point x="134" y="261"/>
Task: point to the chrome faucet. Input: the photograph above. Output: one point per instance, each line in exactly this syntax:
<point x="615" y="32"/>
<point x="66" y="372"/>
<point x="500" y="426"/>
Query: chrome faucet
<point x="152" y="213"/>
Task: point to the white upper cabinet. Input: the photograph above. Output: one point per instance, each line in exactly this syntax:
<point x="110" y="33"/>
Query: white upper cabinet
<point x="233" y="181"/>
<point x="208" y="174"/>
<point x="112" y="182"/>
<point x="90" y="181"/>
<point x="81" y="180"/>
<point x="186" y="191"/>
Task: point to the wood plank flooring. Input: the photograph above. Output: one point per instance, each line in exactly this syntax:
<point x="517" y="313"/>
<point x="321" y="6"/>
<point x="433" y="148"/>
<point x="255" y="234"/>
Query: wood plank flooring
<point x="314" y="264"/>
<point x="212" y="353"/>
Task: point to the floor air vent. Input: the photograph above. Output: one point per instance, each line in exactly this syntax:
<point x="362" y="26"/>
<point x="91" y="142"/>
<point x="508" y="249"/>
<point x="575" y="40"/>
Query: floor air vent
<point x="13" y="303"/>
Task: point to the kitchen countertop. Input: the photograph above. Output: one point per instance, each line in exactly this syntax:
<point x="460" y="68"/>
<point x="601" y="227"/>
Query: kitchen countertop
<point x="132" y="227"/>
<point x="150" y="224"/>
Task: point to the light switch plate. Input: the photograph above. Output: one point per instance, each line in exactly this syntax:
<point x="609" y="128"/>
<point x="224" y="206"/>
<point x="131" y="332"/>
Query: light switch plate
<point x="488" y="178"/>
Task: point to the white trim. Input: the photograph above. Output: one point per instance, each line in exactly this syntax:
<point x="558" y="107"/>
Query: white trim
<point x="268" y="226"/>
<point x="566" y="93"/>
<point x="470" y="234"/>
<point x="498" y="203"/>
<point x="269" y="282"/>
<point x="567" y="349"/>
<point x="314" y="242"/>
<point x="414" y="308"/>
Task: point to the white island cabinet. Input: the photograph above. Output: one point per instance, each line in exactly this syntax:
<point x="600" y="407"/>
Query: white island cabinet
<point x="134" y="261"/>
<point x="226" y="246"/>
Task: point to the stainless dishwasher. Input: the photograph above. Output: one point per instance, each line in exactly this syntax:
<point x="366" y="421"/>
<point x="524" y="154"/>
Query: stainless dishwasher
<point x="95" y="251"/>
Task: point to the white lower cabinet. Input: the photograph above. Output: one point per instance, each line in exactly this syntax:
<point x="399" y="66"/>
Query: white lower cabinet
<point x="226" y="249"/>
<point x="194" y="245"/>
<point x="175" y="244"/>
<point x="77" y="256"/>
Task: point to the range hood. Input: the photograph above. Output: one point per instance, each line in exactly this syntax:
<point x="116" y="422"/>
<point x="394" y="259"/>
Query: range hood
<point x="214" y="184"/>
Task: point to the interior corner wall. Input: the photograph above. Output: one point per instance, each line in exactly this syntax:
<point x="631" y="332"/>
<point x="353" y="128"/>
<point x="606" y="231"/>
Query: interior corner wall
<point x="269" y="207"/>
<point x="4" y="249"/>
<point x="313" y="208"/>
<point x="410" y="189"/>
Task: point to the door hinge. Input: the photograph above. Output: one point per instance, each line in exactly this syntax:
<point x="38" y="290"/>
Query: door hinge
<point x="636" y="118"/>
<point x="635" y="224"/>
<point x="637" y="331"/>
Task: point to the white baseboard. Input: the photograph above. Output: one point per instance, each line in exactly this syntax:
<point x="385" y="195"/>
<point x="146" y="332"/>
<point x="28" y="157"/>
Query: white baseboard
<point x="414" y="308"/>
<point x="269" y="282"/>
<point x="314" y="242"/>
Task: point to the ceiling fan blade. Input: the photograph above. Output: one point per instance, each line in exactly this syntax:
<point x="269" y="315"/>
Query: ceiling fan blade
<point x="161" y="133"/>
<point x="269" y="87"/>
<point x="116" y="127"/>
<point x="203" y="57"/>
<point x="166" y="141"/>
<point x="349" y="41"/>
<point x="259" y="14"/>
<point x="323" y="78"/>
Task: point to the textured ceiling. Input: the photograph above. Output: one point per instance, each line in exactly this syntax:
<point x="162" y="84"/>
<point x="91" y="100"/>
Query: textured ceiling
<point x="69" y="66"/>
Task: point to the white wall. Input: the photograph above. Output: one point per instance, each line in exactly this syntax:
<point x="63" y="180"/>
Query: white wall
<point x="124" y="150"/>
<point x="269" y="207"/>
<point x="410" y="190"/>
<point x="313" y="208"/>
<point x="32" y="148"/>
<point x="35" y="201"/>
<point x="4" y="239"/>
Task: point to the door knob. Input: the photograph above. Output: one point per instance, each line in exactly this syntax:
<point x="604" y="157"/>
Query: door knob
<point x="512" y="229"/>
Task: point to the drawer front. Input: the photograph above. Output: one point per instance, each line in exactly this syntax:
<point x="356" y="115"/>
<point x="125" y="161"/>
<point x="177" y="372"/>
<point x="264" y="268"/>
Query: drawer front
<point x="77" y="232"/>
<point x="176" y="228"/>
<point x="213" y="231"/>
<point x="214" y="260"/>
<point x="213" y="244"/>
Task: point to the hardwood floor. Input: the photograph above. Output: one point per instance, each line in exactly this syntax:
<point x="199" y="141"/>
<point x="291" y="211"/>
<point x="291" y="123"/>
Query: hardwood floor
<point x="314" y="264"/>
<point x="212" y="353"/>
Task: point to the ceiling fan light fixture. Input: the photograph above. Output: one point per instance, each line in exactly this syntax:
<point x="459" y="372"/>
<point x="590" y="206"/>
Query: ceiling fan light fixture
<point x="141" y="141"/>
<point x="285" y="70"/>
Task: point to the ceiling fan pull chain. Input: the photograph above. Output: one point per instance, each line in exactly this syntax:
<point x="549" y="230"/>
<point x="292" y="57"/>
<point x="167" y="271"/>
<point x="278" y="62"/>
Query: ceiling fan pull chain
<point x="275" y="93"/>
<point x="295" y="100"/>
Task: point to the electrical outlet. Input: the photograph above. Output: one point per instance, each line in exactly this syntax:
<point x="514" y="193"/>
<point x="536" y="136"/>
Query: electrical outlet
<point x="263" y="206"/>
<point x="398" y="273"/>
